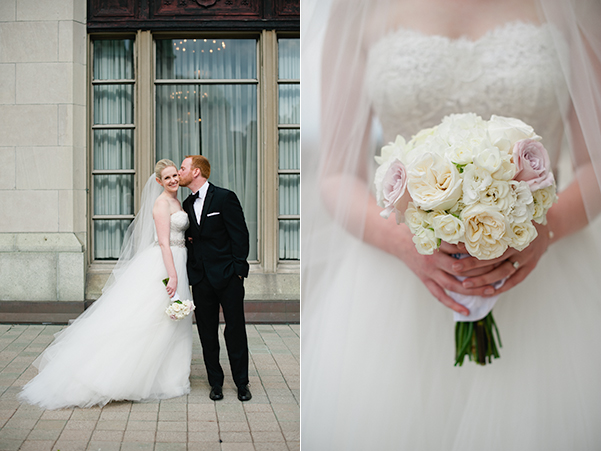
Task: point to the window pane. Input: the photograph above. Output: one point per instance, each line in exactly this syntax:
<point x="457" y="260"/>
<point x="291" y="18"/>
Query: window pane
<point x="113" y="149"/>
<point x="219" y="122"/>
<point x="289" y="194"/>
<point x="289" y="239"/>
<point x="289" y="146"/>
<point x="113" y="194"/>
<point x="177" y="121"/>
<point x="289" y="104"/>
<point x="113" y="104"/>
<point x="289" y="59"/>
<point x="113" y="59"/>
<point x="206" y="59"/>
<point x="108" y="236"/>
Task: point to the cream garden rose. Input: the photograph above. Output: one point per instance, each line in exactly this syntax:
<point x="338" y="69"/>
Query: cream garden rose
<point x="485" y="228"/>
<point x="519" y="236"/>
<point x="499" y="195"/>
<point x="434" y="182"/>
<point x="543" y="199"/>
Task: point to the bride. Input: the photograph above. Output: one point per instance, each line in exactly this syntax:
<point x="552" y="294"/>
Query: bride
<point x="378" y="342"/>
<point x="124" y="347"/>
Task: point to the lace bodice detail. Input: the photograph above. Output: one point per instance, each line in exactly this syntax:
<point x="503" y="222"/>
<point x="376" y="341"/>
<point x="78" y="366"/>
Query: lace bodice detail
<point x="179" y="224"/>
<point x="416" y="79"/>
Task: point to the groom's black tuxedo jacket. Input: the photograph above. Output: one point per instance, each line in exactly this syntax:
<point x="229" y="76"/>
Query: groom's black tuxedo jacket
<point x="218" y="247"/>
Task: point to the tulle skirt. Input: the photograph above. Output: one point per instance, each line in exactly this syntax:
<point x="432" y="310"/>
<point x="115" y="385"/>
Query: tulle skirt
<point x="124" y="347"/>
<point x="378" y="354"/>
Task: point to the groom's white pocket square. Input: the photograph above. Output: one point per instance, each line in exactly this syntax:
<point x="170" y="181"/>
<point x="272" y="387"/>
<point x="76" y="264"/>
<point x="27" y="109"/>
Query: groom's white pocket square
<point x="213" y="214"/>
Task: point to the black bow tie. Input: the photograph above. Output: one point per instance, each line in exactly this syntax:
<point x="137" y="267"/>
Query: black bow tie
<point x="195" y="195"/>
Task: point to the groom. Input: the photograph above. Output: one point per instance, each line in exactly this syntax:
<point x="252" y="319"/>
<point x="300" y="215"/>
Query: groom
<point x="217" y="241"/>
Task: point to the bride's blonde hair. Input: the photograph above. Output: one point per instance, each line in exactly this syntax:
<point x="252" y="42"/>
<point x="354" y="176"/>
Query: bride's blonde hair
<point x="161" y="165"/>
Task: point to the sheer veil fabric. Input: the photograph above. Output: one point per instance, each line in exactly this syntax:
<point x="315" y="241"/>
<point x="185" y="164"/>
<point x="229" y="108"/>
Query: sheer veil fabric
<point x="377" y="348"/>
<point x="140" y="234"/>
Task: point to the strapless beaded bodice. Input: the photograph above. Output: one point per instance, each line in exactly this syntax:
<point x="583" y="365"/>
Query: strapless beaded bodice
<point x="179" y="224"/>
<point x="416" y="79"/>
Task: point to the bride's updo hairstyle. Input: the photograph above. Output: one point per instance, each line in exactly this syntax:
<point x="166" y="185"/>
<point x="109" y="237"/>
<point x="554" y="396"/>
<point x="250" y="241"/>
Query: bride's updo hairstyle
<point x="162" y="164"/>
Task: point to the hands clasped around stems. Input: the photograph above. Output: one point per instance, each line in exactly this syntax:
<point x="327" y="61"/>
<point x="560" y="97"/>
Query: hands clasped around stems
<point x="440" y="270"/>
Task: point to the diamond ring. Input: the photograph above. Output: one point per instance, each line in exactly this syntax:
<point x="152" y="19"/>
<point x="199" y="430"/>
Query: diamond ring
<point x="516" y="264"/>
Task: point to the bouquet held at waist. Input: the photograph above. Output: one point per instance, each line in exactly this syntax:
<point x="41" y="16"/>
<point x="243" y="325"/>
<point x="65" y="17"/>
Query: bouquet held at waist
<point x="472" y="181"/>
<point x="178" y="309"/>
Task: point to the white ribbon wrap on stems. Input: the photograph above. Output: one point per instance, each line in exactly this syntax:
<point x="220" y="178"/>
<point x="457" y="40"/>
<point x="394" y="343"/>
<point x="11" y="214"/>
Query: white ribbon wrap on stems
<point x="478" y="306"/>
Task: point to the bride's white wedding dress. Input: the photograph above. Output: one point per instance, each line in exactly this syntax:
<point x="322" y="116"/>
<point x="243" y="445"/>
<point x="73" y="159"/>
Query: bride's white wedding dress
<point x="378" y="349"/>
<point x="124" y="347"/>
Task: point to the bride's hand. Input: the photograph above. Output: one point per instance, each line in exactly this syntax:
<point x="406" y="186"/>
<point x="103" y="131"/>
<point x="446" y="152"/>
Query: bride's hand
<point x="512" y="265"/>
<point x="171" y="286"/>
<point x="438" y="271"/>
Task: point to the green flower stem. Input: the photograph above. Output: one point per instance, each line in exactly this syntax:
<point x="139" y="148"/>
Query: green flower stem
<point x="476" y="340"/>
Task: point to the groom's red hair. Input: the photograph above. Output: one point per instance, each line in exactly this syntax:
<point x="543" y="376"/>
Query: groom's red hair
<point x="202" y="163"/>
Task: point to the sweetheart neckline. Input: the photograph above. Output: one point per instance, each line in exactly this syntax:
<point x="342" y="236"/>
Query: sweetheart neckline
<point x="466" y="39"/>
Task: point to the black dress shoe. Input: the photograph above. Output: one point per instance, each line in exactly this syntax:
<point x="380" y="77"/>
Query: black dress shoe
<point x="216" y="393"/>
<point x="244" y="393"/>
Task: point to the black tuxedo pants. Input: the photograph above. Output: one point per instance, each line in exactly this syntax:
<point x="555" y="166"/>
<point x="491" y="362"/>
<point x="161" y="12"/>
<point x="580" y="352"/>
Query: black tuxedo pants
<point x="231" y="298"/>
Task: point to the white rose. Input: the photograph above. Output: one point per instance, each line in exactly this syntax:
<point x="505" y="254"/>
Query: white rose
<point x="425" y="241"/>
<point x="543" y="200"/>
<point x="447" y="227"/>
<point x="485" y="229"/>
<point x="434" y="182"/>
<point x="506" y="170"/>
<point x="421" y="137"/>
<point x="505" y="131"/>
<point x="500" y="195"/>
<point x="460" y="154"/>
<point x="426" y="140"/>
<point x="475" y="181"/>
<point x="489" y="159"/>
<point x="519" y="236"/>
<point x="391" y="151"/>
<point x="523" y="207"/>
<point x="454" y="124"/>
<point x="415" y="218"/>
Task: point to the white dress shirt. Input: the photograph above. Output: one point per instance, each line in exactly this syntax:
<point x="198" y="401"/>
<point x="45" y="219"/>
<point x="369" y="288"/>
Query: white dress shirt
<point x="199" y="202"/>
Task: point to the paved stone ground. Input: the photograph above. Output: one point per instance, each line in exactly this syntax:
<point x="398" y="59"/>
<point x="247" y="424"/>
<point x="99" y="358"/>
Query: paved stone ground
<point x="269" y="422"/>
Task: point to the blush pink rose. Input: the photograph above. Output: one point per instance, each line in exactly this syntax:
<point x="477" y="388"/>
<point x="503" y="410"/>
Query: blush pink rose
<point x="393" y="186"/>
<point x="532" y="164"/>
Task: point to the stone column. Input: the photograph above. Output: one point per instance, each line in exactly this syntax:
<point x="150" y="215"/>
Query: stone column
<point x="42" y="150"/>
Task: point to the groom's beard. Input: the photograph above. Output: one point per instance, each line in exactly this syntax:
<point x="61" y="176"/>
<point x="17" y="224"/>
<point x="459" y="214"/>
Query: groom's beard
<point x="185" y="182"/>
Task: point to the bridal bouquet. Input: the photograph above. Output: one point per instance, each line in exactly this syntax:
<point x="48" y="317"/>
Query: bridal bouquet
<point x="178" y="309"/>
<point x="481" y="183"/>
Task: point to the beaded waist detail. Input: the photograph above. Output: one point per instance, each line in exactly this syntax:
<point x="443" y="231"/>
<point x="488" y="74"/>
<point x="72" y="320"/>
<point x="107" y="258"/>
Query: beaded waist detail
<point x="177" y="243"/>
